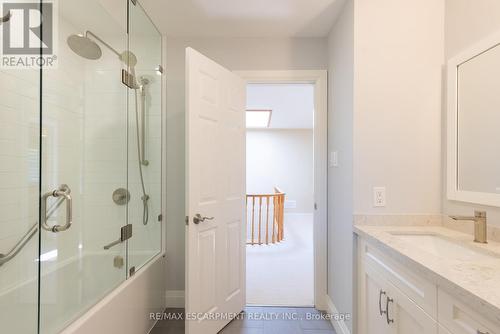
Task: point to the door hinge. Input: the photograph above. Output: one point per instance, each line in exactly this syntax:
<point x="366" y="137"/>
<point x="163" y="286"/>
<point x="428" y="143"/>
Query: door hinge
<point x="131" y="272"/>
<point x="315" y="206"/>
<point x="160" y="217"/>
<point x="159" y="69"/>
<point x="134" y="2"/>
<point x="187" y="220"/>
<point x="128" y="79"/>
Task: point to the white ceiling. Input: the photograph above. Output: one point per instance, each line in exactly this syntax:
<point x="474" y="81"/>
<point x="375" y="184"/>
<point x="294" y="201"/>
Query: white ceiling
<point x="244" y="18"/>
<point x="292" y="105"/>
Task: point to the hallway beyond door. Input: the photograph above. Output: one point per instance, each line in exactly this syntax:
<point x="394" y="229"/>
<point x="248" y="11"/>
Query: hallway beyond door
<point x="282" y="274"/>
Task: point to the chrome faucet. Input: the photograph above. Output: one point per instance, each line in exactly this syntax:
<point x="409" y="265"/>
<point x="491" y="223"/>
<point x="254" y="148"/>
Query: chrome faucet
<point x="480" y="229"/>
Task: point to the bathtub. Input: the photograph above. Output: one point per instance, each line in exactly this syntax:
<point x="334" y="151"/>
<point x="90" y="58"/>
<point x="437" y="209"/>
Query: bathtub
<point x="74" y="295"/>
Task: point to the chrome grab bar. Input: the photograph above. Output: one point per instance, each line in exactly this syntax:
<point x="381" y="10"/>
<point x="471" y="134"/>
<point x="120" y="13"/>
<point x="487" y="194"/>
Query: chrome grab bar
<point x="4" y="258"/>
<point x="63" y="193"/>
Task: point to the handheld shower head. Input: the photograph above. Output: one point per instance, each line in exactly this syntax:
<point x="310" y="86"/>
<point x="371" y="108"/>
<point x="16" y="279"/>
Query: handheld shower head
<point x="128" y="58"/>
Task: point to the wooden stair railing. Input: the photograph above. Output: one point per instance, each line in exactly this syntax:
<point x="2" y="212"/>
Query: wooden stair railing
<point x="265" y="231"/>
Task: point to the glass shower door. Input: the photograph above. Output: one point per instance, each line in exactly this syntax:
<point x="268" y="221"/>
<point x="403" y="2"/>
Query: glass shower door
<point x="19" y="183"/>
<point x="84" y="164"/>
<point x="83" y="139"/>
<point x="145" y="139"/>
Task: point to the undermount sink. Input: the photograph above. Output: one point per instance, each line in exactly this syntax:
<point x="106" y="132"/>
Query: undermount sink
<point x="442" y="247"/>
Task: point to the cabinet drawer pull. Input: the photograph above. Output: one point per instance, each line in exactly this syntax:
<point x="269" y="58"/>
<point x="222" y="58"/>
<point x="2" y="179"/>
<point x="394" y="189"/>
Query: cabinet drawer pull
<point x="389" y="300"/>
<point x="382" y="312"/>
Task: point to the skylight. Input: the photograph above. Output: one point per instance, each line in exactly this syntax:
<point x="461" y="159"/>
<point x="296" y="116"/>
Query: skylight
<point x="257" y="118"/>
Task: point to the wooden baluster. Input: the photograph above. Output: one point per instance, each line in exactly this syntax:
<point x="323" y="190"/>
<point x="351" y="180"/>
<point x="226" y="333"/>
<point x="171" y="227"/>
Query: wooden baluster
<point x="278" y="221"/>
<point x="281" y="211"/>
<point x="260" y="220"/>
<point x="278" y="215"/>
<point x="246" y="219"/>
<point x="267" y="220"/>
<point x="274" y="219"/>
<point x="253" y="218"/>
<point x="282" y="216"/>
<point x="280" y="206"/>
<point x="279" y="218"/>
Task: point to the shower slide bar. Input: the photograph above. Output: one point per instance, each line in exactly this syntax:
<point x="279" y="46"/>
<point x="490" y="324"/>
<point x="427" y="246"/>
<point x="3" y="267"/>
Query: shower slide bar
<point x="64" y="192"/>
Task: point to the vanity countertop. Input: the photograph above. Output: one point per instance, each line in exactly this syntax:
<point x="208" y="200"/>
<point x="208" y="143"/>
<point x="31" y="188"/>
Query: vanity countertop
<point x="474" y="279"/>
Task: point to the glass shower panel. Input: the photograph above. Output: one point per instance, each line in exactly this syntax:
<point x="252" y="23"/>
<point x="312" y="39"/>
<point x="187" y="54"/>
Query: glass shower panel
<point x="144" y="142"/>
<point x="19" y="183"/>
<point x="84" y="158"/>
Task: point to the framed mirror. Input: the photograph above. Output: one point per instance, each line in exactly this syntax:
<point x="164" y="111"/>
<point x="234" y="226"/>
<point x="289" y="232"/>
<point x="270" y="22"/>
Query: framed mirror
<point x="474" y="124"/>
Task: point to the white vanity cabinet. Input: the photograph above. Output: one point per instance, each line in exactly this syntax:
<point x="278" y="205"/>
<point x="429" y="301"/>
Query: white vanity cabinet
<point x="395" y="300"/>
<point x="383" y="307"/>
<point x="387" y="310"/>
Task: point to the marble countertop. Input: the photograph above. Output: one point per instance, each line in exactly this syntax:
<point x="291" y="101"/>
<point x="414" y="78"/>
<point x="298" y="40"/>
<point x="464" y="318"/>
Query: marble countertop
<point x="474" y="280"/>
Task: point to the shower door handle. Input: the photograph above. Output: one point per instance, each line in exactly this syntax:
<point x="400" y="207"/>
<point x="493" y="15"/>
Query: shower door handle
<point x="63" y="192"/>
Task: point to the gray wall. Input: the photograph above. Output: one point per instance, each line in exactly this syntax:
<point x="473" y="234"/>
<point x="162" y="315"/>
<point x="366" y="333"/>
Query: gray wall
<point x="340" y="180"/>
<point x="398" y="59"/>
<point x="385" y="62"/>
<point x="283" y="158"/>
<point x="234" y="54"/>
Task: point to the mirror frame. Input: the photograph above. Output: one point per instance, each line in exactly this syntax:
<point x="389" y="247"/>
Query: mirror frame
<point x="453" y="193"/>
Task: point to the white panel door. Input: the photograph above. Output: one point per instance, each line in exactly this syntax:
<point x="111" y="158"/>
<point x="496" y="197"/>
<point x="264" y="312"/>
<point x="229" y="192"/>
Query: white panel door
<point x="215" y="158"/>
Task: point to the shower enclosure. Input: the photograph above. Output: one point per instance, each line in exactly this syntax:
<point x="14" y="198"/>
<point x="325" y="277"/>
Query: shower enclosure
<point x="80" y="163"/>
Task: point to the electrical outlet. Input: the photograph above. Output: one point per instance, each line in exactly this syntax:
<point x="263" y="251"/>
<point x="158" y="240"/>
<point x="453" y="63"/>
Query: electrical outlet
<point x="379" y="197"/>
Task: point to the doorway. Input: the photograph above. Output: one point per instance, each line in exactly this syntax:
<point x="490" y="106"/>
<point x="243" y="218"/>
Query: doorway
<point x="280" y="200"/>
<point x="286" y="154"/>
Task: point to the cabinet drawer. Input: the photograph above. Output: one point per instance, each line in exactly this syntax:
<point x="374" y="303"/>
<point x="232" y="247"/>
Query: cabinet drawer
<point x="421" y="291"/>
<point x="460" y="319"/>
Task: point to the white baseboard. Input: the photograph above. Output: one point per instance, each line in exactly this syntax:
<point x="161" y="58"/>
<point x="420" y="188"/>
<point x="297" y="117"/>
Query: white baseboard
<point x="339" y="325"/>
<point x="175" y="298"/>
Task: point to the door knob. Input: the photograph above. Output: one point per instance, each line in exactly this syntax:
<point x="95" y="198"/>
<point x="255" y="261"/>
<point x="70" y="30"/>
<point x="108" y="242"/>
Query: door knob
<point x="200" y="219"/>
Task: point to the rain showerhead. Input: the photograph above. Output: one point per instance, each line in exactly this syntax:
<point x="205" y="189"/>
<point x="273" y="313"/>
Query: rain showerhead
<point x="87" y="48"/>
<point x="84" y="47"/>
